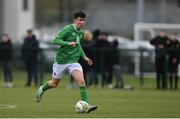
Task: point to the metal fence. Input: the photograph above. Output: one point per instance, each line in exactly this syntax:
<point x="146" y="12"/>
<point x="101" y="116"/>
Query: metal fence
<point x="139" y="63"/>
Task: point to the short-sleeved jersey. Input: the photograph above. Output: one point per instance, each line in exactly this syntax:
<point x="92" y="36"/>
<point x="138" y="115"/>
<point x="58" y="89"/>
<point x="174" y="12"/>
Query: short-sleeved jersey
<point x="66" y="53"/>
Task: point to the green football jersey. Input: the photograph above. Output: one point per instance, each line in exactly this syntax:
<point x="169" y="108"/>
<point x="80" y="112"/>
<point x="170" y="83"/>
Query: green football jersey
<point x="67" y="53"/>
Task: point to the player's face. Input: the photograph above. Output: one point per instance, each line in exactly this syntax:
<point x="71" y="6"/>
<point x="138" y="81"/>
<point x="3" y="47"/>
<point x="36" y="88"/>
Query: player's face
<point x="79" y="22"/>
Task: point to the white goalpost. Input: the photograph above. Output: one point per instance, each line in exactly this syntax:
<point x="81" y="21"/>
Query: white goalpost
<point x="151" y="28"/>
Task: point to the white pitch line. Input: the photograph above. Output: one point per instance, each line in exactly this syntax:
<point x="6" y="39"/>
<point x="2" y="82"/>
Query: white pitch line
<point x="7" y="106"/>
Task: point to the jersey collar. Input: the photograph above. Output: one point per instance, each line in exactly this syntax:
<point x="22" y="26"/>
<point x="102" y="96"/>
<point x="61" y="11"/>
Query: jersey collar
<point x="74" y="26"/>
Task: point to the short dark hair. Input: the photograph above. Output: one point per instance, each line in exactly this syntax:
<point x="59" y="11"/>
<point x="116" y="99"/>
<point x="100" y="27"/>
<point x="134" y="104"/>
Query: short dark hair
<point x="79" y="14"/>
<point x="29" y="31"/>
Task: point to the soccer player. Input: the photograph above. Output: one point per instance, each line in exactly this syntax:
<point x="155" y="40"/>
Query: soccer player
<point x="67" y="58"/>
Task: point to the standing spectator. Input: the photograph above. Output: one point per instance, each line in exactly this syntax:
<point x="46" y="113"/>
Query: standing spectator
<point x="173" y="62"/>
<point x="30" y="49"/>
<point x="104" y="47"/>
<point x="160" y="42"/>
<point x="115" y="61"/>
<point x="95" y="70"/>
<point x="6" y="58"/>
<point x="87" y="45"/>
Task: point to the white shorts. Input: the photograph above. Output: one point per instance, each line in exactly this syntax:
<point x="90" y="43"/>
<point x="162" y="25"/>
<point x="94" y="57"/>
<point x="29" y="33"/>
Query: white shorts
<point x="60" y="69"/>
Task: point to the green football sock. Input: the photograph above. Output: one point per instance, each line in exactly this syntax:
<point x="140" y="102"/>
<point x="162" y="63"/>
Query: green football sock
<point x="84" y="94"/>
<point x="46" y="86"/>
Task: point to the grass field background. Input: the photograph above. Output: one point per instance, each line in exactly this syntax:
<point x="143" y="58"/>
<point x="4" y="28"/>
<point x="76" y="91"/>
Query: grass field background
<point x="144" y="101"/>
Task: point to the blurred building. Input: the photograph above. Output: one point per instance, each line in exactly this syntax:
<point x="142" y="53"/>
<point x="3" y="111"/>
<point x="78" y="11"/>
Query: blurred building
<point x="114" y="16"/>
<point x="119" y="16"/>
<point x="16" y="16"/>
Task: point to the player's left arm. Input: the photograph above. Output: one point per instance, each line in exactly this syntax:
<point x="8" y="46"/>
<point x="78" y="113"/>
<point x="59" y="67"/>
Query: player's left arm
<point x="88" y="60"/>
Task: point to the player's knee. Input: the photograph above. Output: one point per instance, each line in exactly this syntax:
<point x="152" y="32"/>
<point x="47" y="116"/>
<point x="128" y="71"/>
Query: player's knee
<point x="53" y="84"/>
<point x="81" y="82"/>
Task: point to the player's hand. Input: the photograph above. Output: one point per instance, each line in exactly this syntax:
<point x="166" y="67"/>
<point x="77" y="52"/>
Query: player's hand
<point x="72" y="44"/>
<point x="89" y="61"/>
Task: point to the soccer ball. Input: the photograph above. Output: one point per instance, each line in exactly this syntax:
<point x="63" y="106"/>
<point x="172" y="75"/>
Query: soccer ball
<point x="81" y="106"/>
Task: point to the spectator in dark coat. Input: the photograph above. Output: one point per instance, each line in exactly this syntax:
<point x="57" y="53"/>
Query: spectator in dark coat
<point x="30" y="50"/>
<point x="104" y="47"/>
<point x="173" y="61"/>
<point x="87" y="45"/>
<point x="95" y="70"/>
<point x="6" y="54"/>
<point x="161" y="43"/>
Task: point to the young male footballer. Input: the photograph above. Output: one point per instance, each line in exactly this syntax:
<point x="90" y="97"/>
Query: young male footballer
<point x="66" y="60"/>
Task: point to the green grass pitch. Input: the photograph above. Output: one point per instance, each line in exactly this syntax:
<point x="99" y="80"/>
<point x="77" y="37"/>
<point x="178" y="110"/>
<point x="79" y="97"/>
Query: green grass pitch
<point x="144" y="101"/>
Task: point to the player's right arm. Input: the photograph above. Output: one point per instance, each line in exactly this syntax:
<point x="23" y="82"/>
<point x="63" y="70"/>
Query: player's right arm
<point x="59" y="39"/>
